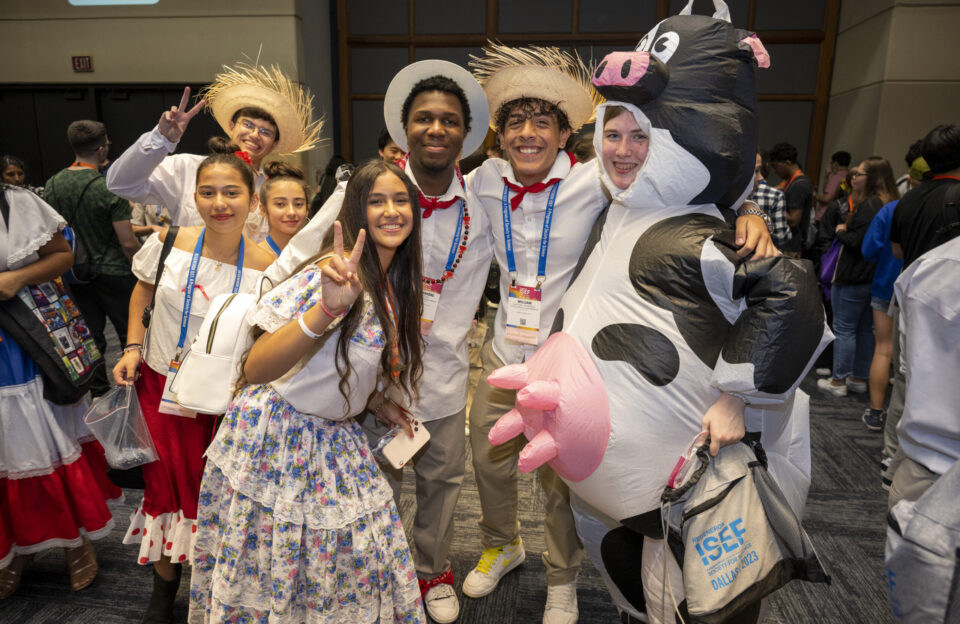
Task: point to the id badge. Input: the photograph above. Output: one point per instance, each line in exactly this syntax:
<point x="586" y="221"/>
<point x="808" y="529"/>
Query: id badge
<point x="523" y="315"/>
<point x="168" y="401"/>
<point x="431" y="299"/>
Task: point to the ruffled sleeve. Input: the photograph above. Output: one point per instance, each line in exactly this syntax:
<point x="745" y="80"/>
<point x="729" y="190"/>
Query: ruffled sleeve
<point x="289" y="300"/>
<point x="145" y="262"/>
<point x="33" y="222"/>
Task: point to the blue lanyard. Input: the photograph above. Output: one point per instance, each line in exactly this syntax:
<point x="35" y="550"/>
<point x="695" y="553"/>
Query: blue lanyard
<point x="544" y="236"/>
<point x="455" y="246"/>
<point x="273" y="245"/>
<point x="191" y="282"/>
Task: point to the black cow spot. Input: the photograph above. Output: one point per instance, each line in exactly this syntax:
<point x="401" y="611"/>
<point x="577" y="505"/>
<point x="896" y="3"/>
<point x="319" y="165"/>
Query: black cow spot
<point x="557" y="322"/>
<point x="625" y="69"/>
<point x="622" y="552"/>
<point x="665" y="271"/>
<point x="644" y="348"/>
<point x="600" y="69"/>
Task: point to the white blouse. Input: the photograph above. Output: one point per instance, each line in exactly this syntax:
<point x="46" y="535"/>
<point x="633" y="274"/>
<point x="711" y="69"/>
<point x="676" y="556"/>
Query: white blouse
<point x="33" y="222"/>
<point x="213" y="278"/>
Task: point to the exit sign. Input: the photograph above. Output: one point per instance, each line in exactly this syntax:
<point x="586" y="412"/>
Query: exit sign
<point x="82" y="64"/>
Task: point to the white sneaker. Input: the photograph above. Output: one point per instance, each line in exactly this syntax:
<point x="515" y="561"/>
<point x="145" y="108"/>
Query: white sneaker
<point x="826" y="386"/>
<point x="561" y="604"/>
<point x="441" y="604"/>
<point x="823" y="372"/>
<point x="494" y="563"/>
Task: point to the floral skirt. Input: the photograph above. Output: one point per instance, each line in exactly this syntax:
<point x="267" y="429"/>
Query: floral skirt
<point x="297" y="524"/>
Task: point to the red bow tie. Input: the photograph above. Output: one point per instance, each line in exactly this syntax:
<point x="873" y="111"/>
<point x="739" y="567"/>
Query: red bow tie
<point x="523" y="190"/>
<point x="429" y="204"/>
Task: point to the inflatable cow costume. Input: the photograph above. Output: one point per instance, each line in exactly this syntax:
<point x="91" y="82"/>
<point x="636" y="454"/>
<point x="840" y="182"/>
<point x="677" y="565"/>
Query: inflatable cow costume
<point x="662" y="318"/>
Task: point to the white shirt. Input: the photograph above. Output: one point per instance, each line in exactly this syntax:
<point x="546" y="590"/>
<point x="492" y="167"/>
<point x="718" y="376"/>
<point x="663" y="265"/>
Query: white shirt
<point x="144" y="173"/>
<point x="929" y="297"/>
<point x="215" y="279"/>
<point x="580" y="199"/>
<point x="446" y="372"/>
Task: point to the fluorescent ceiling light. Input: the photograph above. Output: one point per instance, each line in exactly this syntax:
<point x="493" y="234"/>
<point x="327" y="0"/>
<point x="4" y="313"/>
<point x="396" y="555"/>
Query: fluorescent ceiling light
<point x="110" y="2"/>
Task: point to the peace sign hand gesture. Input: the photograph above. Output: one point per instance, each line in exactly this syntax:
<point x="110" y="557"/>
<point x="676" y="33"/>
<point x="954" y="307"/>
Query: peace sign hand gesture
<point x="340" y="283"/>
<point x="173" y="123"/>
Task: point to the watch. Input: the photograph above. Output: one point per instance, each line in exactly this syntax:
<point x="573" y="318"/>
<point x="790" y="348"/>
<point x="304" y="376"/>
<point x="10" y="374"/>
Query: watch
<point x="752" y="209"/>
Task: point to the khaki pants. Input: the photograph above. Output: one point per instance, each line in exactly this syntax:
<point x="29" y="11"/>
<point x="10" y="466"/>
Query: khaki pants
<point x="439" y="469"/>
<point x="910" y="481"/>
<point x="497" y="477"/>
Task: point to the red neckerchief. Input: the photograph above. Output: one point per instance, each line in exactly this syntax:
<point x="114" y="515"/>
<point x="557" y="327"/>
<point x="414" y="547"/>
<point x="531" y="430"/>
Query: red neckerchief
<point x="798" y="172"/>
<point x="429" y="204"/>
<point x="244" y="156"/>
<point x="533" y="188"/>
<point x="944" y="176"/>
<point x="77" y="163"/>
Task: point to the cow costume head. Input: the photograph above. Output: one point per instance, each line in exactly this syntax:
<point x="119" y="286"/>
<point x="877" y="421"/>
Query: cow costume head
<point x="691" y="79"/>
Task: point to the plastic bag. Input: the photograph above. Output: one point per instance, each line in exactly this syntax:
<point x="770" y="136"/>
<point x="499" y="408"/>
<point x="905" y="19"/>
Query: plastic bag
<point x="116" y="421"/>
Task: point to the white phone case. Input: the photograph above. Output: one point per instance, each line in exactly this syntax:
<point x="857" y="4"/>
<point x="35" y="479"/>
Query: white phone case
<point x="402" y="447"/>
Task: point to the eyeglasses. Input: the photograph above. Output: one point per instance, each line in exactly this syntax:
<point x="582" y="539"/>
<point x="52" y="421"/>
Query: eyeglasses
<point x="267" y="133"/>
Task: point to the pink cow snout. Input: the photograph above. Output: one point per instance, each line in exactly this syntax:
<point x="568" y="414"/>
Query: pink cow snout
<point x="621" y="69"/>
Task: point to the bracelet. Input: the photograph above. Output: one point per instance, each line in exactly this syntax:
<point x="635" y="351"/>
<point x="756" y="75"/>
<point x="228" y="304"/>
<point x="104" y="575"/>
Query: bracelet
<point x="750" y="210"/>
<point x="328" y="313"/>
<point x="306" y="330"/>
<point x="134" y="346"/>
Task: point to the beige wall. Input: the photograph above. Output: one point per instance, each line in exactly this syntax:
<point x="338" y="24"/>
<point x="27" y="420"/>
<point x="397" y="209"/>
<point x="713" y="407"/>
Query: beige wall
<point x="896" y="75"/>
<point x="173" y="41"/>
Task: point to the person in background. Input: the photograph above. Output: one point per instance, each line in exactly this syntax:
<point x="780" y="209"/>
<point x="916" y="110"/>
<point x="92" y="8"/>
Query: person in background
<point x="798" y="193"/>
<point x="583" y="148"/>
<point x="13" y="171"/>
<point x="771" y="201"/>
<point x="146" y="220"/>
<point x="833" y="179"/>
<point x="101" y="223"/>
<point x="907" y="181"/>
<point x="283" y="200"/>
<point x="203" y="263"/>
<point x="850" y="294"/>
<point x="389" y="151"/>
<point x="53" y="475"/>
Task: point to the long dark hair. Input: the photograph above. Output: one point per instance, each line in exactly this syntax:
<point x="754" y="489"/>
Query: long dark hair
<point x="879" y="182"/>
<point x="404" y="274"/>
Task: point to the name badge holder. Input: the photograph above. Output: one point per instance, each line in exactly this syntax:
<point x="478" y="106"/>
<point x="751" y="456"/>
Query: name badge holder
<point x="524" y="302"/>
<point x="168" y="401"/>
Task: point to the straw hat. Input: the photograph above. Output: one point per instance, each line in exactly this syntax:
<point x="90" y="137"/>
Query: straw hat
<point x="403" y="83"/>
<point x="546" y="73"/>
<point x="267" y="88"/>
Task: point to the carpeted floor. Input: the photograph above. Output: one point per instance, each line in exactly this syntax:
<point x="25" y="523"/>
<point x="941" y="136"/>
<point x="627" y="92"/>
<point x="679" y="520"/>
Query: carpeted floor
<point x="844" y="516"/>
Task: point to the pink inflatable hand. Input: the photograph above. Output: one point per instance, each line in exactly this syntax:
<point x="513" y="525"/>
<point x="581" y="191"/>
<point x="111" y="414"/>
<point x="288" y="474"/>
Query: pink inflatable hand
<point x="562" y="408"/>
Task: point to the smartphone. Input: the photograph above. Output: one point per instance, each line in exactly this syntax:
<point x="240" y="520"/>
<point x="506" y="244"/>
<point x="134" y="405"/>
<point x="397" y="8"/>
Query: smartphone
<point x="396" y="448"/>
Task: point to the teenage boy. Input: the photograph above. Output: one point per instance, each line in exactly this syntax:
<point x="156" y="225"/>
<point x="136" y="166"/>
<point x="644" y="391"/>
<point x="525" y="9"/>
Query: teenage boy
<point x="541" y="206"/>
<point x="101" y="222"/>
<point x="435" y="111"/>
<point x="259" y="109"/>
<point x="798" y="192"/>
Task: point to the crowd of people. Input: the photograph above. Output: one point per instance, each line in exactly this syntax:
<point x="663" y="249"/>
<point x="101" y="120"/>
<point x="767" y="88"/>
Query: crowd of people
<point x="280" y="506"/>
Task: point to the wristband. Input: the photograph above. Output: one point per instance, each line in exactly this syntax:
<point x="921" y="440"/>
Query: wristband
<point x="328" y="313"/>
<point x="306" y="330"/>
<point x="134" y="346"/>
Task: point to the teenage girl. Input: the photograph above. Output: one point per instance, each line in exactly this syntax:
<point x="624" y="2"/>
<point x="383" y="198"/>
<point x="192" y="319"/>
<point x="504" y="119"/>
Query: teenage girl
<point x="205" y="261"/>
<point x="283" y="202"/>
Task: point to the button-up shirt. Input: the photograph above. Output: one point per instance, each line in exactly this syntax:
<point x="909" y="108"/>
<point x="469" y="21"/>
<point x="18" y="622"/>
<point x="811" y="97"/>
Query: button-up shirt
<point x="580" y="199"/>
<point x="145" y="173"/>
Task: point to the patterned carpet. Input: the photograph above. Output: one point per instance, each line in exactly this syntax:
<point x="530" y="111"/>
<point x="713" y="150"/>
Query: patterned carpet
<point x="844" y="516"/>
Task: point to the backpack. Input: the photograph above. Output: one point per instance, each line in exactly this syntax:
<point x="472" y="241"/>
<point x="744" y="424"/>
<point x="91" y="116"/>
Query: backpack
<point x="922" y="557"/>
<point x="950" y="217"/>
<point x="208" y="375"/>
<point x="81" y="272"/>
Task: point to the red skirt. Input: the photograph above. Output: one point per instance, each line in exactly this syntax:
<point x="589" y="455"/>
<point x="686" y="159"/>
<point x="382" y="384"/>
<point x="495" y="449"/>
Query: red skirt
<point x="165" y="521"/>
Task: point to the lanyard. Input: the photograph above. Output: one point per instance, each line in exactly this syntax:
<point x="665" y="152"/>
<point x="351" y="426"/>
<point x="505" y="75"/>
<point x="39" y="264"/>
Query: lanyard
<point x="273" y="245"/>
<point x="544" y="236"/>
<point x="792" y="178"/>
<point x="455" y="245"/>
<point x="191" y="282"/>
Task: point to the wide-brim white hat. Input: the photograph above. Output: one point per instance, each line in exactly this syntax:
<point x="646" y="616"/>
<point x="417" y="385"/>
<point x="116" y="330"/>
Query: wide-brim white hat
<point x="409" y="76"/>
<point x="269" y="89"/>
<point x="546" y="73"/>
